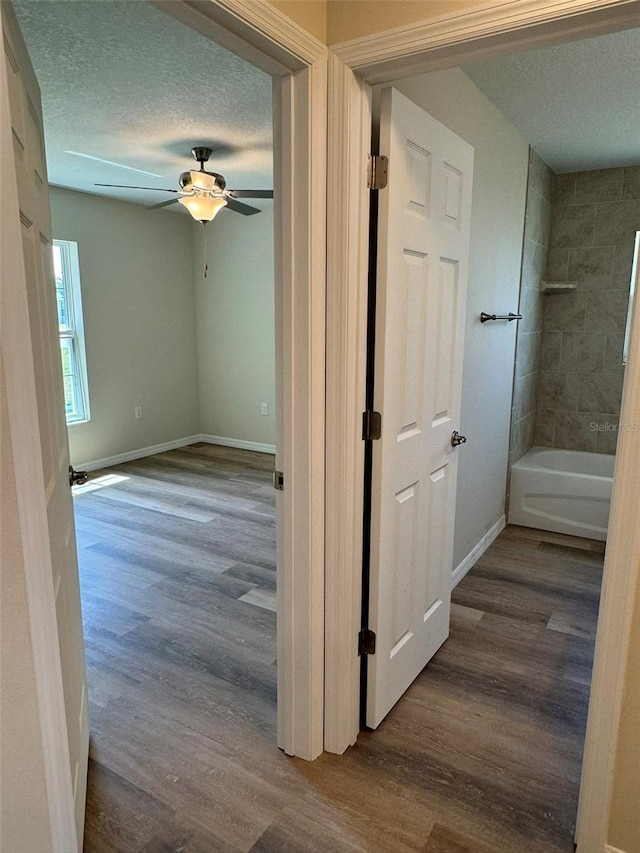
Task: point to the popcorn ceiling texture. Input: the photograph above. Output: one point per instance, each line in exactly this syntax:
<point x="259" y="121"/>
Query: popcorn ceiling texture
<point x="566" y="99"/>
<point x="122" y="81"/>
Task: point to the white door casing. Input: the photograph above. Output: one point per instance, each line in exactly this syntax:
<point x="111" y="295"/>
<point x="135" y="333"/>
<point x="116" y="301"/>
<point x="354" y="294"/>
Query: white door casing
<point x="46" y="511"/>
<point x="423" y="248"/>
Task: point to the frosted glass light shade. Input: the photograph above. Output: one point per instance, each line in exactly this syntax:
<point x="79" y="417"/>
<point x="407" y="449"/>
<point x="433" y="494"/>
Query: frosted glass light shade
<point x="203" y="208"/>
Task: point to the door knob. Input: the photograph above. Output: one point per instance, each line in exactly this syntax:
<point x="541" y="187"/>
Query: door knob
<point x="77" y="478"/>
<point x="457" y="439"/>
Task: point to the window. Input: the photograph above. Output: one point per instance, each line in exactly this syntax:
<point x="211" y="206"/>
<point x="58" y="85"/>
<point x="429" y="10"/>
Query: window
<point x="74" y="367"/>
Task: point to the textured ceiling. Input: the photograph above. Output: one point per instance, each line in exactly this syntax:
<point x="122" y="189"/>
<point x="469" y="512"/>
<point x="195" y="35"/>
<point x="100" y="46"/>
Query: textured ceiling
<point x="123" y="82"/>
<point x="577" y="104"/>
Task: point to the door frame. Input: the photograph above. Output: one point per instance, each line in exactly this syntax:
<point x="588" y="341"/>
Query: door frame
<point x="486" y="32"/>
<point x="298" y="63"/>
<point x="263" y="36"/>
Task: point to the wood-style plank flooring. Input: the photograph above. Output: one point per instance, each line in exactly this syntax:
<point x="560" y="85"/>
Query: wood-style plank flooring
<point x="482" y="755"/>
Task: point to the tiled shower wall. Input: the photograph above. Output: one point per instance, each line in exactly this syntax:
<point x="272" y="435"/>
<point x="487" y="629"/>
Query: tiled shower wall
<point x="535" y="248"/>
<point x="595" y="217"/>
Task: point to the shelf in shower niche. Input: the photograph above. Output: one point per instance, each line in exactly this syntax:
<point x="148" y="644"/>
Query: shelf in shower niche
<point x="557" y="286"/>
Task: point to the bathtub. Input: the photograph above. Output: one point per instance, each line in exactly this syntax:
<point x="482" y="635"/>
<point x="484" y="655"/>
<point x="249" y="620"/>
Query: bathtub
<point x="566" y="491"/>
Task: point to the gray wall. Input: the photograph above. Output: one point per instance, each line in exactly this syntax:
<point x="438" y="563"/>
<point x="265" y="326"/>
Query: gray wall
<point x="499" y="190"/>
<point x="529" y="335"/>
<point x="235" y="326"/>
<point x="139" y="315"/>
<point x="595" y="217"/>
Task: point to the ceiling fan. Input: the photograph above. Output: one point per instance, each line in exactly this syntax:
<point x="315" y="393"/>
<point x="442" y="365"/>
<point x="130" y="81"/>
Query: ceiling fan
<point x="204" y="194"/>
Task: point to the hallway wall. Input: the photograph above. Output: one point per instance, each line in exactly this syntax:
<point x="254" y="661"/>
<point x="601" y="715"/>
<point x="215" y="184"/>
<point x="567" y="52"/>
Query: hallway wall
<point x="498" y="205"/>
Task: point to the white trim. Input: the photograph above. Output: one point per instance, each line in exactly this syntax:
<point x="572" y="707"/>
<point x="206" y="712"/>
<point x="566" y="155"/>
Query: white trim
<point x="138" y="453"/>
<point x="609" y="849"/>
<point x="349" y="141"/>
<point x="22" y="414"/>
<point x="619" y="590"/>
<point x="474" y="555"/>
<point x="489" y="31"/>
<point x="270" y="40"/>
<point x="240" y="443"/>
<point x="151" y="450"/>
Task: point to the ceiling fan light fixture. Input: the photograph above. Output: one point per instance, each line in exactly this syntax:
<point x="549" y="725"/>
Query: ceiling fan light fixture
<point x="203" y="207"/>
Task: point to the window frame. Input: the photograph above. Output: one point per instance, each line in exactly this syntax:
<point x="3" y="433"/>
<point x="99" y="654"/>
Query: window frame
<point x="72" y="332"/>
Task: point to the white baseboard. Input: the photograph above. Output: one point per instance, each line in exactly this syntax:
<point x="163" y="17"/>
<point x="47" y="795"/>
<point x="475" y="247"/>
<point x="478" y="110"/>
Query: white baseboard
<point x="474" y="555"/>
<point x="238" y="442"/>
<point x="140" y="453"/>
<point x="609" y="849"/>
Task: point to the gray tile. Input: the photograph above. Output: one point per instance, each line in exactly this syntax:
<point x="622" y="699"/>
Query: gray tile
<point x="560" y="391"/>
<point x="606" y="311"/>
<point x="575" y="430"/>
<point x="599" y="185"/>
<point x="540" y="175"/>
<point x="534" y="263"/>
<point x="551" y="350"/>
<point x="631" y="185"/>
<point x="537" y="221"/>
<point x="613" y="352"/>
<point x="516" y="440"/>
<point x="617" y="223"/>
<point x="622" y="263"/>
<point x="600" y="392"/>
<point x="557" y="265"/>
<point x="582" y="352"/>
<point x="528" y="349"/>
<point x="522" y="436"/>
<point x="529" y="431"/>
<point x="591" y="267"/>
<point x="574" y="226"/>
<point x="531" y="307"/>
<point x="524" y="396"/>
<point x="564" y="188"/>
<point x="565" y="312"/>
<point x="607" y="434"/>
<point x="545" y="426"/>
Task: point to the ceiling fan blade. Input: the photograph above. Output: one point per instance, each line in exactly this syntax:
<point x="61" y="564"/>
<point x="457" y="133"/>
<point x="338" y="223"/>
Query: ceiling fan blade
<point x="129" y="187"/>
<point x="251" y="193"/>
<point x="240" y="207"/>
<point x="163" y="204"/>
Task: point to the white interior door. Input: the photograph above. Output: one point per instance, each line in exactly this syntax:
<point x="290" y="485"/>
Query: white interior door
<point x="40" y="442"/>
<point x="423" y="247"/>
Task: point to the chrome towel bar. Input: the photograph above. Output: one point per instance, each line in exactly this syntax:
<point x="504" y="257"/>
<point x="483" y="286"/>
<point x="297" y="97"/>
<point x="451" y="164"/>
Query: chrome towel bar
<point x="484" y="317"/>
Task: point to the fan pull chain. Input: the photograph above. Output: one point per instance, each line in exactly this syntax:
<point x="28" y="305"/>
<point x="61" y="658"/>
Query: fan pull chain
<point x="204" y="251"/>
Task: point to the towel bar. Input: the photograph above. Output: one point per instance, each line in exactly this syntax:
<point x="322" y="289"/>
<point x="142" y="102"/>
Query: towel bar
<point x="484" y="317"/>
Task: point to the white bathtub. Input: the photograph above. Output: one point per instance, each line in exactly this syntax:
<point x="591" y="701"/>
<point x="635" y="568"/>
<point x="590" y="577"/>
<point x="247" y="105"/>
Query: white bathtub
<point x="566" y="491"/>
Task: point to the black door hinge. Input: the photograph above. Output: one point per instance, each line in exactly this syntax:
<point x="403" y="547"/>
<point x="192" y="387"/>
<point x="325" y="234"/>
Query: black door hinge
<point x="366" y="642"/>
<point x="371" y="425"/>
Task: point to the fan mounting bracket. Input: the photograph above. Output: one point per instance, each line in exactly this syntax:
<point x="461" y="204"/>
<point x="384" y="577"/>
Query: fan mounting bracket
<point x="201" y="154"/>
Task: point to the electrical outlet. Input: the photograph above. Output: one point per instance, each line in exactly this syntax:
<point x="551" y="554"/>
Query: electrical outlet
<point x="137" y="412"/>
<point x="264" y="409"/>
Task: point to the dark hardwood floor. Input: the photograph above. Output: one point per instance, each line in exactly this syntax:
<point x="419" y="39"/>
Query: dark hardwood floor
<point x="482" y="755"/>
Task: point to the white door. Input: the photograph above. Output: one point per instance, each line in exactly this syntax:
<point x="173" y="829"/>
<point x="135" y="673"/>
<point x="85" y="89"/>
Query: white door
<point x="31" y="354"/>
<point x="423" y="247"/>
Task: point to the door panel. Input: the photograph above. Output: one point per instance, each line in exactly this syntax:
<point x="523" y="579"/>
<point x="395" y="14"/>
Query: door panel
<point x="423" y="246"/>
<point x="35" y="219"/>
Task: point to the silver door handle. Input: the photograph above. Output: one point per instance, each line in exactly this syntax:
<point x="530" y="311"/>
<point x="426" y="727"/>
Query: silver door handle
<point x="457" y="439"/>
